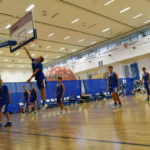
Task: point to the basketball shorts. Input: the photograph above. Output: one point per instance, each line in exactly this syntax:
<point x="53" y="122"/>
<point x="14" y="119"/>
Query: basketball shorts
<point x="3" y="108"/>
<point x="59" y="100"/>
<point x="113" y="90"/>
<point x="41" y="83"/>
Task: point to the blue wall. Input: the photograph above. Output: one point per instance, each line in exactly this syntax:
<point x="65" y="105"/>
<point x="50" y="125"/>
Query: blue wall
<point x="94" y="86"/>
<point x="91" y="87"/>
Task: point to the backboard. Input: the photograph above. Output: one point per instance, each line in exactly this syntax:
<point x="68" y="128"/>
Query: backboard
<point x="22" y="32"/>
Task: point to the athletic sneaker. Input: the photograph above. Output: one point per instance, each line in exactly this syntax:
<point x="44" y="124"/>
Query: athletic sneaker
<point x="34" y="113"/>
<point x="1" y="125"/>
<point x="23" y="114"/>
<point x="8" y="124"/>
<point x="119" y="105"/>
<point x="44" y="106"/>
<point x="114" y="106"/>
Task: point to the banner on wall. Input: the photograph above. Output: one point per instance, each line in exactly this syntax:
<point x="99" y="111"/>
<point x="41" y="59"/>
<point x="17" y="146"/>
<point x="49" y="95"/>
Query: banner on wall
<point x="98" y="76"/>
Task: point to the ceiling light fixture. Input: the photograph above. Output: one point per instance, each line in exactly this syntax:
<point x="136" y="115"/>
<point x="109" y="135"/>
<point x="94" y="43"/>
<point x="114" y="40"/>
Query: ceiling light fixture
<point x="67" y="37"/>
<point x="5" y="60"/>
<point x="32" y="45"/>
<point x="124" y="10"/>
<point x="30" y="7"/>
<point x="74" y="21"/>
<point x="30" y="31"/>
<point x="8" y="26"/>
<point x="105" y="30"/>
<point x="81" y="40"/>
<point x="18" y="53"/>
<point x="107" y="3"/>
<point x="1" y="52"/>
<point x="139" y="15"/>
<point x="148" y="21"/>
<point x="57" y="56"/>
<point x="51" y="34"/>
<point x="33" y="54"/>
<point x="48" y="47"/>
<point x="94" y="42"/>
<point x="74" y="50"/>
<point x="61" y="49"/>
<point x="46" y="56"/>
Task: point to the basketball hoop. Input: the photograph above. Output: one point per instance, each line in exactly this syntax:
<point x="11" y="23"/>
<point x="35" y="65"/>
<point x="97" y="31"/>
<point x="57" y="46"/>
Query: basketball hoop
<point x="125" y="45"/>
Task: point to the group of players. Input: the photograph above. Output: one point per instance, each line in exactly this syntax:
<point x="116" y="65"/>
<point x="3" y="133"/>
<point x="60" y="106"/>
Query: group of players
<point x="31" y="97"/>
<point x="113" y="85"/>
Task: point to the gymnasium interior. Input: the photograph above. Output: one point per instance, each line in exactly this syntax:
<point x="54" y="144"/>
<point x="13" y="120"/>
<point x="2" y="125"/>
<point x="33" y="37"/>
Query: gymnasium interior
<point x="79" y="40"/>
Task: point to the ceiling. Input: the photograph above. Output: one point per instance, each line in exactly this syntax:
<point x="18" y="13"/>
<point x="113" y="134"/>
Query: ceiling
<point x="56" y="16"/>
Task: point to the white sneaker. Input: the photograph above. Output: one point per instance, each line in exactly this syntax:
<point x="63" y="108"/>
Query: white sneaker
<point x="44" y="107"/>
<point x="114" y="106"/>
<point x="23" y="114"/>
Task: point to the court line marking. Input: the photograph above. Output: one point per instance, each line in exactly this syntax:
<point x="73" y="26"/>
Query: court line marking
<point x="79" y="139"/>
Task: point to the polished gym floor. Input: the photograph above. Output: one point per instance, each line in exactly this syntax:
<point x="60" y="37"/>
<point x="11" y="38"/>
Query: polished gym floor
<point x="88" y="126"/>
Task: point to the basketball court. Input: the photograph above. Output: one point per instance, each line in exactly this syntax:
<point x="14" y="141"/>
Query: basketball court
<point x="74" y="74"/>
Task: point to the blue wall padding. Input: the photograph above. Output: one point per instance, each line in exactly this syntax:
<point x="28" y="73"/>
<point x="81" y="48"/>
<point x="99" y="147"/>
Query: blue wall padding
<point x="94" y="86"/>
<point x="91" y="87"/>
<point x="16" y="90"/>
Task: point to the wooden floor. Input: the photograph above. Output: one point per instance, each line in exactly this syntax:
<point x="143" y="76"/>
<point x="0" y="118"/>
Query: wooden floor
<point x="90" y="126"/>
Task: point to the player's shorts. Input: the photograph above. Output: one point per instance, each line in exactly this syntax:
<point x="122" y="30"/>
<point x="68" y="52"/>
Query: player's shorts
<point x="113" y="89"/>
<point x="59" y="100"/>
<point x="146" y="85"/>
<point x="3" y="108"/>
<point x="41" y="83"/>
<point x="33" y="101"/>
<point x="26" y="104"/>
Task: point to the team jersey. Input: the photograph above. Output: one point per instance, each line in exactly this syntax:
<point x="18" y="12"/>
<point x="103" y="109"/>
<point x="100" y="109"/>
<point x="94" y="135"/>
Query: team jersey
<point x="146" y="77"/>
<point x="121" y="87"/>
<point x="40" y="75"/>
<point x="124" y="87"/>
<point x="113" y="83"/>
<point x="4" y="95"/>
<point x="26" y="96"/>
<point x="59" y="88"/>
<point x="33" y="94"/>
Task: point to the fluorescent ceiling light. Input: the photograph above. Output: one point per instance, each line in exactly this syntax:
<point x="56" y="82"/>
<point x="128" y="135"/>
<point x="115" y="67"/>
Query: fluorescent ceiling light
<point x="61" y="49"/>
<point x="67" y="37"/>
<point x="9" y="65"/>
<point x="18" y="53"/>
<point x="1" y="52"/>
<point x="46" y="56"/>
<point x="139" y="15"/>
<point x="94" y="42"/>
<point x="33" y="54"/>
<point x="107" y="3"/>
<point x="8" y="26"/>
<point x="32" y="45"/>
<point x="48" y="47"/>
<point x="22" y="66"/>
<point x="81" y="40"/>
<point x="57" y="56"/>
<point x="105" y="30"/>
<point x="74" y="50"/>
<point x="74" y="21"/>
<point x="30" y="7"/>
<point x="124" y="10"/>
<point x="148" y="21"/>
<point x="5" y="60"/>
<point x="51" y="34"/>
<point x="30" y="31"/>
